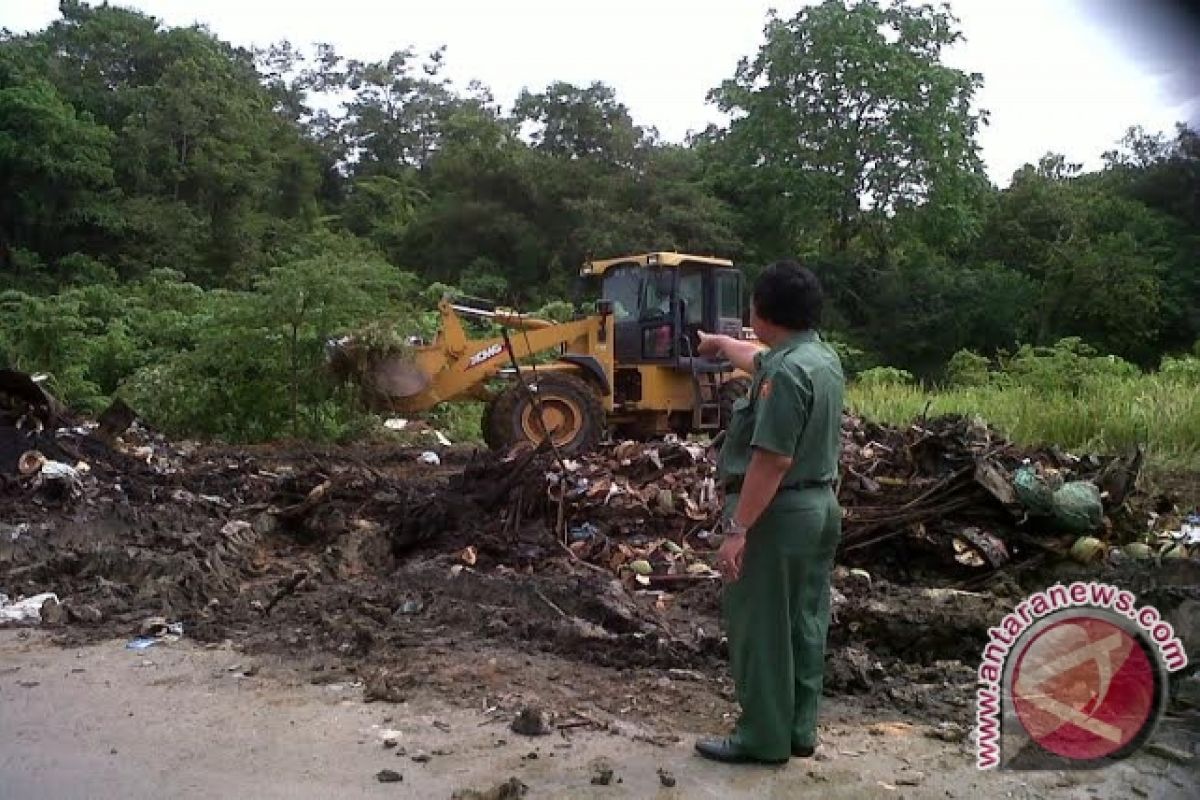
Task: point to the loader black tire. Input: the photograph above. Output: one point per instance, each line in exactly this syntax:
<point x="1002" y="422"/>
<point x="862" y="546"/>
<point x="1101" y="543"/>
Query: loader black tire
<point x="732" y="390"/>
<point x="571" y="407"/>
<point x="487" y="428"/>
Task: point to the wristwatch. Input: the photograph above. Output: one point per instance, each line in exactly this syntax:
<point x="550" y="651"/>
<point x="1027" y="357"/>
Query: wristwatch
<point x="734" y="528"/>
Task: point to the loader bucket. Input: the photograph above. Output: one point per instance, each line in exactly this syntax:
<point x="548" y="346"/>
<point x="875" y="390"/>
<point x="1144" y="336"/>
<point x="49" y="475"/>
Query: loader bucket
<point x="385" y="380"/>
<point x="397" y="377"/>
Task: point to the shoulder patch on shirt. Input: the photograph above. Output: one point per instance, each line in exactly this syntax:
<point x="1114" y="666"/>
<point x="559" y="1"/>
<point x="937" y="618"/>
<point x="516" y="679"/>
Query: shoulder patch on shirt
<point x="764" y="389"/>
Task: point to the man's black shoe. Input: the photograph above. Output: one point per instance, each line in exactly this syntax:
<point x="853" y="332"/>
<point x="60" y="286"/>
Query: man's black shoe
<point x="803" y="752"/>
<point x="728" y="751"/>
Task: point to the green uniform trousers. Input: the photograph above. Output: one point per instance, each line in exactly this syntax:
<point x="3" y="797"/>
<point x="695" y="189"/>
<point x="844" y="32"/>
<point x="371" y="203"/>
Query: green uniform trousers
<point x="777" y="617"/>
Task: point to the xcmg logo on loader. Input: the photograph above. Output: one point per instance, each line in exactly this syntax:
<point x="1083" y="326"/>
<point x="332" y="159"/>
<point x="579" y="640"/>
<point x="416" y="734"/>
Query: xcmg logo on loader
<point x="486" y="354"/>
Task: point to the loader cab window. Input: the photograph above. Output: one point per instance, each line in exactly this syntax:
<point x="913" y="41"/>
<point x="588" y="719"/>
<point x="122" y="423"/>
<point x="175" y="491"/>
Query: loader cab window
<point x="657" y="293"/>
<point x="729" y="295"/>
<point x="691" y="292"/>
<point x="657" y="316"/>
<point x="729" y="303"/>
<point x="622" y="286"/>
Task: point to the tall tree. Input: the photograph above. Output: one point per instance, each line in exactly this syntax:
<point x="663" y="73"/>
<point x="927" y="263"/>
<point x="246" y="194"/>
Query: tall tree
<point x="1164" y="174"/>
<point x="1096" y="257"/>
<point x="394" y="117"/>
<point x="848" y="113"/>
<point x="56" y="167"/>
<point x="210" y="176"/>
<point x="574" y="122"/>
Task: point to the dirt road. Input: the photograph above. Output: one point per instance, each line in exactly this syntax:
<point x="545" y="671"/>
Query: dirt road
<point x="184" y="721"/>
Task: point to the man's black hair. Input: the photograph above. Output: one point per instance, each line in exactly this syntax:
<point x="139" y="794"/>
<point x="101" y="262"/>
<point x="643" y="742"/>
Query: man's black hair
<point x="788" y="295"/>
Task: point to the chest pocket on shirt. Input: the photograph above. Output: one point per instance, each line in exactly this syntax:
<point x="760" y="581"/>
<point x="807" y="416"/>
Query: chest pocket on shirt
<point x="741" y="423"/>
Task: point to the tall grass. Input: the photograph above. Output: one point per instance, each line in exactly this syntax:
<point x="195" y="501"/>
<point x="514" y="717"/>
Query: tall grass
<point x="1098" y="414"/>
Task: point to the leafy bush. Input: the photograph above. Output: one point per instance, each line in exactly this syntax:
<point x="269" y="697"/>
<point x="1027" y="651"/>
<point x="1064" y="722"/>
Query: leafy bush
<point x="854" y="359"/>
<point x="1184" y="370"/>
<point x="243" y="365"/>
<point x="1067" y="366"/>
<point x="480" y="279"/>
<point x="967" y="369"/>
<point x="885" y="376"/>
<point x="558" y="311"/>
<point x="52" y="335"/>
<point x="461" y="422"/>
<point x="432" y="294"/>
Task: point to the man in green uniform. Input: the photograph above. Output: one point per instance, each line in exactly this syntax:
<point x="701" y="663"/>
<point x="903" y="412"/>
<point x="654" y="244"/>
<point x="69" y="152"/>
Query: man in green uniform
<point x="779" y="466"/>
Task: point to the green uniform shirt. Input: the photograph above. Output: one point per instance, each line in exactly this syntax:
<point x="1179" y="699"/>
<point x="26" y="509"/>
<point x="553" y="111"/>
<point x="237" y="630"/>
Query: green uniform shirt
<point x="794" y="408"/>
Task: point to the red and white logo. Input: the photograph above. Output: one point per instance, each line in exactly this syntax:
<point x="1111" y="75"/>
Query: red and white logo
<point x="1074" y="676"/>
<point x="1085" y="688"/>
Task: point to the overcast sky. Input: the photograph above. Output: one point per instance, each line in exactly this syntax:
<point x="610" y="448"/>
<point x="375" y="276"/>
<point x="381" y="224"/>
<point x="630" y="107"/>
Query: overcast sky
<point x="1062" y="75"/>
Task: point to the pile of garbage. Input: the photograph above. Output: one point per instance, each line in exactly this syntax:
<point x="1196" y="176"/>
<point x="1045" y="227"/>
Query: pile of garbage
<point x="645" y="511"/>
<point x="941" y="500"/>
<point x="950" y="489"/>
<point x="365" y="550"/>
<point x="956" y="489"/>
<point x="55" y="458"/>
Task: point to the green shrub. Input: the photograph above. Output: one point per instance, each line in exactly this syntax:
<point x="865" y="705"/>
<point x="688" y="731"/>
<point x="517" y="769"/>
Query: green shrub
<point x="1184" y="370"/>
<point x="557" y="311"/>
<point x="432" y="294"/>
<point x="854" y="359"/>
<point x="1067" y="366"/>
<point x="884" y="376"/>
<point x="966" y="368"/>
<point x="461" y="422"/>
<point x="480" y="280"/>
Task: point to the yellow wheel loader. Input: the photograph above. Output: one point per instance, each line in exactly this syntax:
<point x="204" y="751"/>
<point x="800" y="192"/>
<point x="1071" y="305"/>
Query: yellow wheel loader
<point x="630" y="368"/>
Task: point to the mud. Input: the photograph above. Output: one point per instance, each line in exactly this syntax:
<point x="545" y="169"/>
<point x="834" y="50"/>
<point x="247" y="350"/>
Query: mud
<point x="104" y="721"/>
<point x="362" y="563"/>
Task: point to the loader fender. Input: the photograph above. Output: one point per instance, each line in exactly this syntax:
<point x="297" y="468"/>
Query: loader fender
<point x="590" y="365"/>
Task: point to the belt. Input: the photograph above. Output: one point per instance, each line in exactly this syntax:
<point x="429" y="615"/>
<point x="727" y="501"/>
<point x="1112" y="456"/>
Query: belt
<point x="733" y="485"/>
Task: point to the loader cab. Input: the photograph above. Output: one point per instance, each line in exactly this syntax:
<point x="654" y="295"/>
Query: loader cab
<point x="662" y="300"/>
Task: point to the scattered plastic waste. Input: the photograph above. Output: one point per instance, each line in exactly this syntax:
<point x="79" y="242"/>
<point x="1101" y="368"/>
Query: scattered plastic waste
<point x="156" y="630"/>
<point x="141" y="643"/>
<point x="409" y="607"/>
<point x="13" y="532"/>
<point x="1189" y="531"/>
<point x="28" y="609"/>
<point x="431" y="458"/>
<point x="30" y="462"/>
<point x="584" y="532"/>
<point x="1088" y="549"/>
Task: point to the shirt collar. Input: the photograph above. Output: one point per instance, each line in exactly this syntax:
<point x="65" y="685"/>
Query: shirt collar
<point x="799" y="337"/>
<point x="777" y="352"/>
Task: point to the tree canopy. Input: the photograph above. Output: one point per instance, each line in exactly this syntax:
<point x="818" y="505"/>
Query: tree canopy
<point x="139" y="158"/>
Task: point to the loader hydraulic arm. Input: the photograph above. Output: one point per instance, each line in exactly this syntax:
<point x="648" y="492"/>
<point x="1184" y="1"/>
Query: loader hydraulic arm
<point x="455" y="367"/>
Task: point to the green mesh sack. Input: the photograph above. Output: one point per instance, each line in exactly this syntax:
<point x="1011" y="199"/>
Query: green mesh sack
<point x="1077" y="507"/>
<point x="1034" y="493"/>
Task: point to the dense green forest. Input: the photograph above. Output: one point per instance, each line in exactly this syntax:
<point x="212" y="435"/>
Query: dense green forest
<point x="185" y="221"/>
